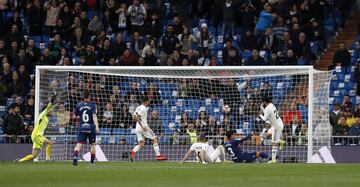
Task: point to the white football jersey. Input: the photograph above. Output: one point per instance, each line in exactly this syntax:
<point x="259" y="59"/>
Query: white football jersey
<point x="271" y="114"/>
<point x="197" y="147"/>
<point x="141" y="111"/>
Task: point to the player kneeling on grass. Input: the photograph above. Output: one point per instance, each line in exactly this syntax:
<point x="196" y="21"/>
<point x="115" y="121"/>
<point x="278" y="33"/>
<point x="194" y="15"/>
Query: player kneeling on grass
<point x="88" y="127"/>
<point x="232" y="146"/>
<point x="202" y="152"/>
<point x="143" y="131"/>
<point x="37" y="135"/>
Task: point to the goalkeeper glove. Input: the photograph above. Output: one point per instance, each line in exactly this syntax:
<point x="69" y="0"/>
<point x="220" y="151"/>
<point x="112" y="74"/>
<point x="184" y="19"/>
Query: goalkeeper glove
<point x="53" y="97"/>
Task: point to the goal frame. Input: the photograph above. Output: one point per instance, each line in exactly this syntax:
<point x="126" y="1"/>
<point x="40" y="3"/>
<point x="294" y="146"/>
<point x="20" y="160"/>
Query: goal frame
<point x="308" y="69"/>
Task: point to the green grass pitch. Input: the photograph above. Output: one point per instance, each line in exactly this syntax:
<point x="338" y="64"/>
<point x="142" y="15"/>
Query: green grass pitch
<point x="145" y="174"/>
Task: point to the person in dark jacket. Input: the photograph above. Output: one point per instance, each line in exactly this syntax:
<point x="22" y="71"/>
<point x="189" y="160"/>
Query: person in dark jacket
<point x="12" y="124"/>
<point x="342" y="56"/>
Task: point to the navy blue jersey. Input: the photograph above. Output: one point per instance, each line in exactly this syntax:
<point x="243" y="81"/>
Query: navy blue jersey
<point x="85" y="111"/>
<point x="233" y="148"/>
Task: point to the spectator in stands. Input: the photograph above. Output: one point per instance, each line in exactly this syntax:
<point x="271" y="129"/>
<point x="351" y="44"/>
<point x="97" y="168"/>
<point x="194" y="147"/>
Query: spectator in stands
<point x="168" y="43"/>
<point x="3" y="50"/>
<point x="153" y="26"/>
<point x="357" y="78"/>
<point x="156" y="124"/>
<point x="265" y="90"/>
<point x="205" y="39"/>
<point x="119" y="46"/>
<point x="355" y="129"/>
<point x="269" y="42"/>
<point x="125" y="117"/>
<point x="21" y="105"/>
<point x="303" y="49"/>
<point x="293" y="121"/>
<point x="227" y="123"/>
<point x="357" y="111"/>
<point x="342" y="55"/>
<point x="52" y="8"/>
<point x="280" y="28"/>
<point x="228" y="18"/>
<point x="341" y="128"/>
<point x="35" y="18"/>
<point x="32" y="51"/>
<point x="290" y="58"/>
<point x="230" y="54"/>
<point x="128" y="58"/>
<point x="213" y="126"/>
<point x="55" y="47"/>
<point x="15" y="35"/>
<point x="178" y="27"/>
<point x="122" y="19"/>
<point x="192" y="133"/>
<point x="109" y="117"/>
<point x="29" y="111"/>
<point x="248" y="17"/>
<point x="286" y="44"/>
<point x="248" y="42"/>
<point x="63" y="116"/>
<point x="16" y="20"/>
<point x="22" y="60"/>
<point x="12" y="52"/>
<point x="255" y="59"/>
<point x="202" y="123"/>
<point x="275" y="60"/>
<point x="350" y="119"/>
<point x="95" y="26"/>
<point x="184" y="122"/>
<point x="265" y="20"/>
<point x="346" y="104"/>
<point x="105" y="53"/>
<point x="250" y="109"/>
<point x="12" y="125"/>
<point x="15" y="87"/>
<point x="137" y="43"/>
<point x="137" y="14"/>
<point x="187" y="40"/>
<point x="46" y="59"/>
<point x="154" y="95"/>
<point x="90" y="55"/>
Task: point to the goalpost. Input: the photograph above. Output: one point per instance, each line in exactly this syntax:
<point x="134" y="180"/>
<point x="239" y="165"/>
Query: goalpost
<point x="187" y="101"/>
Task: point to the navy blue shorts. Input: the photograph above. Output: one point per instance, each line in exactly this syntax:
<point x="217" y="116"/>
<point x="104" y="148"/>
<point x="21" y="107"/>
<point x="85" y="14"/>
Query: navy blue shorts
<point x="246" y="157"/>
<point x="84" y="136"/>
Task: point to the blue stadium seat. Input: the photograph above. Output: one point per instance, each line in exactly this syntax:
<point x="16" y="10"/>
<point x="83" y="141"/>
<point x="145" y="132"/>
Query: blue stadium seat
<point x="105" y="135"/>
<point x="131" y="139"/>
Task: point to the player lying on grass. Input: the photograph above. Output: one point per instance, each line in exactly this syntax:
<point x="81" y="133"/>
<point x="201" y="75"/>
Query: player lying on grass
<point x="233" y="147"/>
<point x="271" y="114"/>
<point x="88" y="127"/>
<point x="203" y="153"/>
<point x="143" y="131"/>
<point x="37" y="135"/>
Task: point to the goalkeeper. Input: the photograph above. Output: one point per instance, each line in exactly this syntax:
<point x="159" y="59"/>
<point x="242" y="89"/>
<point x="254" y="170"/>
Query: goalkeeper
<point x="37" y="136"/>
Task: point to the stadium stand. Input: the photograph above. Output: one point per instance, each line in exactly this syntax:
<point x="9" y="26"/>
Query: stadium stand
<point x="111" y="33"/>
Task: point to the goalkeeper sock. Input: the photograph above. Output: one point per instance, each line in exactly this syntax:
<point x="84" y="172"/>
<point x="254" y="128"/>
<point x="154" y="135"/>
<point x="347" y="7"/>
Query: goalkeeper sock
<point x="26" y="158"/>
<point x="156" y="149"/>
<point x="92" y="158"/>
<point x="136" y="148"/>
<point x="274" y="152"/>
<point x="48" y="152"/>
<point x="264" y="155"/>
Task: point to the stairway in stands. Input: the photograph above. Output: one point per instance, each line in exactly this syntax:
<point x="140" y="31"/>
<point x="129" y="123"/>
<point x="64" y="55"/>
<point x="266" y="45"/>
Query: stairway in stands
<point x="347" y="35"/>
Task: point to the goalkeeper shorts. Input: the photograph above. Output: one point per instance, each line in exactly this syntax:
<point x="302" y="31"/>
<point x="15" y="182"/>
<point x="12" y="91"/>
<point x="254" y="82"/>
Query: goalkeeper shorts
<point x="38" y="141"/>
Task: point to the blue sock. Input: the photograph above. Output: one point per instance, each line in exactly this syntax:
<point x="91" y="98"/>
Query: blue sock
<point x="264" y="155"/>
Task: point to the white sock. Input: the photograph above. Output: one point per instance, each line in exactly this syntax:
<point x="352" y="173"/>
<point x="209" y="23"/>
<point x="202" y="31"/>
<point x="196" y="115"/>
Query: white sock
<point x="274" y="151"/>
<point x="136" y="148"/>
<point x="156" y="149"/>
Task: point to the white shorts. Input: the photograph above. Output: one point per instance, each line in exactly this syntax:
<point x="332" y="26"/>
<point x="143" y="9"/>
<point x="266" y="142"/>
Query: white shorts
<point x="276" y="134"/>
<point x="213" y="156"/>
<point x="141" y="135"/>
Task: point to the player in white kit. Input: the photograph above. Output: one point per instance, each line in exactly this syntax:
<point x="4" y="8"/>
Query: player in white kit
<point x="143" y="131"/>
<point x="203" y="153"/>
<point x="271" y="114"/>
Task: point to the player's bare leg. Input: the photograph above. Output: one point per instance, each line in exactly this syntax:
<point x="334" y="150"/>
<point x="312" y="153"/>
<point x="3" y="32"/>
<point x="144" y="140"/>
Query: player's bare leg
<point x="157" y="150"/>
<point x="274" y="151"/>
<point x="136" y="149"/>
<point x="48" y="149"/>
<point x="93" y="153"/>
<point x="33" y="155"/>
<point x="76" y="153"/>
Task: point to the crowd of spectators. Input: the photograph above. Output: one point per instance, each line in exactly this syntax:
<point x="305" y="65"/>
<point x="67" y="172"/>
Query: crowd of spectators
<point x="157" y="32"/>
